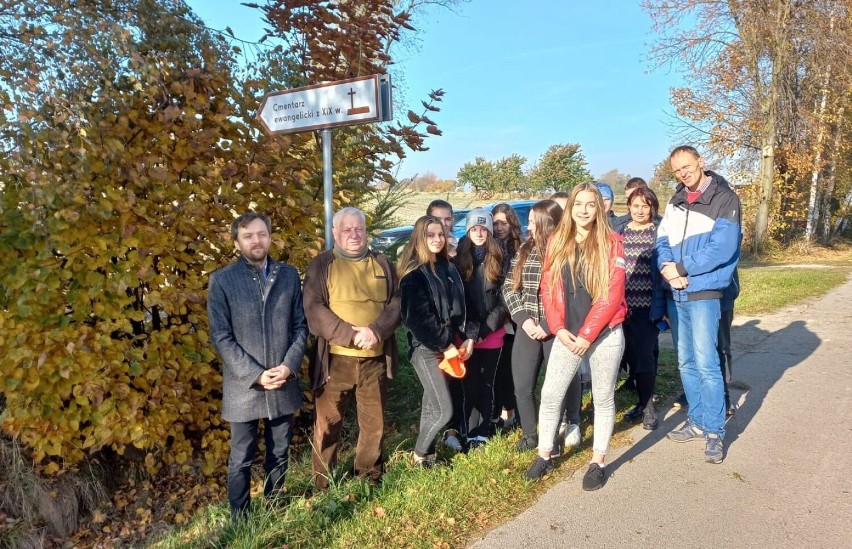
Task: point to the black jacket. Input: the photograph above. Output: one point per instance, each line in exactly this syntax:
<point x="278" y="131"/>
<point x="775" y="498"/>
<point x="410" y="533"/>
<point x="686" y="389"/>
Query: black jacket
<point x="425" y="306"/>
<point x="486" y="310"/>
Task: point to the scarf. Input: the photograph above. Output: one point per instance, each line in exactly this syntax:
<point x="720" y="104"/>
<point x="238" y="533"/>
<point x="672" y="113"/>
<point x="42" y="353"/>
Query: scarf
<point x="350" y="257"/>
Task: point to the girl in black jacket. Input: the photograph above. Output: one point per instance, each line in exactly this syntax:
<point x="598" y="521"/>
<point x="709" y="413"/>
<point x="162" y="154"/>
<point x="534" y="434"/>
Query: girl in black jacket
<point x="433" y="311"/>
<point x="482" y="263"/>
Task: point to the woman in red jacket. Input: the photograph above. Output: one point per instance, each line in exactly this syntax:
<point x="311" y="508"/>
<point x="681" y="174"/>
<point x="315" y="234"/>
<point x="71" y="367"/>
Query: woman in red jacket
<point x="582" y="288"/>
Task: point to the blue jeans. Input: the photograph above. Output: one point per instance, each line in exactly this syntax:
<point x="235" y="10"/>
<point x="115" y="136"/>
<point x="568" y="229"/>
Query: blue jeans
<point x="695" y="330"/>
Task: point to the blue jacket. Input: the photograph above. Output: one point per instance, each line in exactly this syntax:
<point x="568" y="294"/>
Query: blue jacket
<point x="702" y="238"/>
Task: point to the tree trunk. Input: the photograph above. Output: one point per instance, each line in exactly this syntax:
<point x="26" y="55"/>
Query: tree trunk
<point x="769" y="104"/>
<point x="813" y="196"/>
<point x="831" y="178"/>
<point x="764" y="205"/>
<point x="840" y="224"/>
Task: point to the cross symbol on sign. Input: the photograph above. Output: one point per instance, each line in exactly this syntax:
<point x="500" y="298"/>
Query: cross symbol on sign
<point x="353" y="109"/>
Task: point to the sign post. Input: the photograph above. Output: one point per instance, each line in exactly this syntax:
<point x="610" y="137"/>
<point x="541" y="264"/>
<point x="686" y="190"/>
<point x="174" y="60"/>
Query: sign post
<point x="326" y="186"/>
<point x="362" y="100"/>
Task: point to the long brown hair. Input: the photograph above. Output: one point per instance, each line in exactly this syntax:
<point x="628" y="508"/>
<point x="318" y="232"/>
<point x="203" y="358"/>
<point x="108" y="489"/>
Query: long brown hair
<point x="513" y="241"/>
<point x="593" y="260"/>
<point x="544" y="216"/>
<point x="416" y="253"/>
<point x="493" y="262"/>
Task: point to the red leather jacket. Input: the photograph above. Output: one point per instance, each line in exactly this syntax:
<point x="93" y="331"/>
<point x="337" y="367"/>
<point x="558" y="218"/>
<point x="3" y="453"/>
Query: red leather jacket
<point x="605" y="312"/>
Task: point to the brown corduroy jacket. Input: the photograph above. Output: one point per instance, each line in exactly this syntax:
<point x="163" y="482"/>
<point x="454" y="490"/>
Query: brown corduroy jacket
<point x="329" y="328"/>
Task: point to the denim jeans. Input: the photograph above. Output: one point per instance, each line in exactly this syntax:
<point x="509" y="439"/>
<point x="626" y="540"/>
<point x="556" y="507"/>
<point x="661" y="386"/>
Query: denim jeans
<point x="437" y="405"/>
<point x="695" y="331"/>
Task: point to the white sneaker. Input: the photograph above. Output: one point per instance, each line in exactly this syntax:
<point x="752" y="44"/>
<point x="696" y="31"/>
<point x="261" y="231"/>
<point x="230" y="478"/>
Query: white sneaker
<point x="572" y="436"/>
<point x="451" y="441"/>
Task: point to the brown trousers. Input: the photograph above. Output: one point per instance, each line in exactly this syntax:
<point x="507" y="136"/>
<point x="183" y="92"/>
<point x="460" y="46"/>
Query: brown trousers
<point x="366" y="378"/>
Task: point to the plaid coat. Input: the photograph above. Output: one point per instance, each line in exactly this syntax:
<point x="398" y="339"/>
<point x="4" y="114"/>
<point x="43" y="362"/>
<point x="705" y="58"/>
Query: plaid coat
<point x="526" y="302"/>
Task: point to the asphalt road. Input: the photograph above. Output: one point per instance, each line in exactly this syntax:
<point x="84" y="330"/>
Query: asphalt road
<point x="787" y="476"/>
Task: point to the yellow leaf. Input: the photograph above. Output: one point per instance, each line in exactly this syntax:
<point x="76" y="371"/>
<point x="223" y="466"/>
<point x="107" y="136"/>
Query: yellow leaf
<point x="52" y="468"/>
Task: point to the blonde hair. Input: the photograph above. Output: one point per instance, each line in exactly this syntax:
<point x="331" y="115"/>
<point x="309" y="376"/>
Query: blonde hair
<point x="588" y="258"/>
<point x="416" y="252"/>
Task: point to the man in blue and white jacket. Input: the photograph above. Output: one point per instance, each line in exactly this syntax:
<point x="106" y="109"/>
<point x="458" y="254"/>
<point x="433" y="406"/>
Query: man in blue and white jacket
<point x="698" y="247"/>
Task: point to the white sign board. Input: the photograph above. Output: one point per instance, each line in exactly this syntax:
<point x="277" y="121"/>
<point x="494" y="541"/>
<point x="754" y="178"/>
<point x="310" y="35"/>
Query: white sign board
<point x="340" y="103"/>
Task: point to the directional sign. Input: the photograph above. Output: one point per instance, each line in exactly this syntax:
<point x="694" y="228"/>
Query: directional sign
<point x="341" y="103"/>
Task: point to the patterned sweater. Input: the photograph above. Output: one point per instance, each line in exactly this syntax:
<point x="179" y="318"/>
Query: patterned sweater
<point x="638" y="254"/>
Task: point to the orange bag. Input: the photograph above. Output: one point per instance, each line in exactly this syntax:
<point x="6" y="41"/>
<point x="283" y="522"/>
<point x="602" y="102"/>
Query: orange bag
<point x="453" y="364"/>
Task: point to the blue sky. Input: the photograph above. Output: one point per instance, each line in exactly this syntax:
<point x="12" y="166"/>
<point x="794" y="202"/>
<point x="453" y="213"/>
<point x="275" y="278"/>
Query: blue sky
<point x="520" y="77"/>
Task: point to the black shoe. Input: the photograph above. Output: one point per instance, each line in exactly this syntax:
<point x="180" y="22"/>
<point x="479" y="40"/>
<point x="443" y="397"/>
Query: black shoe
<point x="527" y="442"/>
<point x="594" y="477"/>
<point x="539" y="468"/>
<point x="680" y="402"/>
<point x="649" y="418"/>
<point x="634" y="415"/>
<point x="731" y="410"/>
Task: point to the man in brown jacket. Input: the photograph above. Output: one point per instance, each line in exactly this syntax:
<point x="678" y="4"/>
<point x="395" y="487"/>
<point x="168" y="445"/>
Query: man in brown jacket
<point x="351" y="297"/>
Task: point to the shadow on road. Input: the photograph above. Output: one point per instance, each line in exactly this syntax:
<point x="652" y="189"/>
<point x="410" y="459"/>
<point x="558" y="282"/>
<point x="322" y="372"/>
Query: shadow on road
<point x="760" y="359"/>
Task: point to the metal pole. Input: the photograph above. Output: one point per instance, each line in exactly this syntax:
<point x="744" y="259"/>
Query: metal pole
<point x="326" y="180"/>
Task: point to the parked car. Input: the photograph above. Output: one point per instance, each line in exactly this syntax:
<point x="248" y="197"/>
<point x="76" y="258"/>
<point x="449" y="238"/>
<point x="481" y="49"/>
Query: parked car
<point x="521" y="207"/>
<point x="458" y="215"/>
<point x="392" y="241"/>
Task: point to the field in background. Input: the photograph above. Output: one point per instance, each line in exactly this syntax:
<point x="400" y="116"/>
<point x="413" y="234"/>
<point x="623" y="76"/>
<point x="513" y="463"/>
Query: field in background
<point x="416" y="202"/>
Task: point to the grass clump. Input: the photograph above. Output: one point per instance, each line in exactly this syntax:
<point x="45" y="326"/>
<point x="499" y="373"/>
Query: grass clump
<point x="768" y="288"/>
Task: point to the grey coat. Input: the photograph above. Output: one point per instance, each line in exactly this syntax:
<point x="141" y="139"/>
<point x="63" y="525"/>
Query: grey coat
<point x="254" y="327"/>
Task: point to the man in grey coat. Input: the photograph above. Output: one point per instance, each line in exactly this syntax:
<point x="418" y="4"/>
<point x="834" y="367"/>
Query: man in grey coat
<point x="258" y="327"/>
